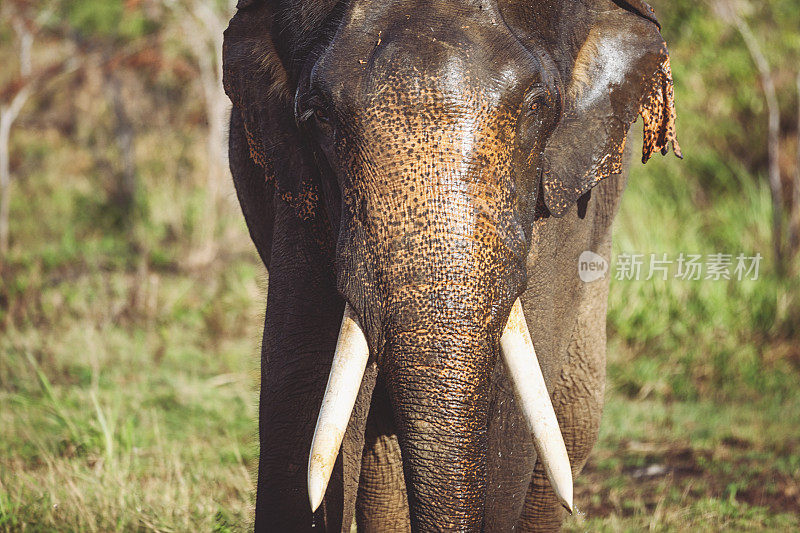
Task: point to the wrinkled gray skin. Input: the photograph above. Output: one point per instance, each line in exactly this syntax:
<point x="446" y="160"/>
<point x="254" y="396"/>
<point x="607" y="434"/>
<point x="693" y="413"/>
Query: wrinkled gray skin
<point x="484" y="95"/>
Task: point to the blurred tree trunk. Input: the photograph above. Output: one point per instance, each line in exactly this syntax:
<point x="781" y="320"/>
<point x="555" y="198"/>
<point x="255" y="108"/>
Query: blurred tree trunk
<point x="731" y="12"/>
<point x="125" y="187"/>
<point x="203" y="26"/>
<point x="773" y="141"/>
<point x="9" y="114"/>
<point x="795" y="216"/>
<point x="208" y="52"/>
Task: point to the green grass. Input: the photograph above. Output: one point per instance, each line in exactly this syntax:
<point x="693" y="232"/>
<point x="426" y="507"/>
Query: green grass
<point x="127" y="379"/>
<point x="128" y="401"/>
<point x="688" y="340"/>
<point x="113" y="422"/>
<point x="692" y="466"/>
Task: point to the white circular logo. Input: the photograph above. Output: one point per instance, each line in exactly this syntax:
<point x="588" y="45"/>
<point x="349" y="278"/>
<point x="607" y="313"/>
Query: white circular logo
<point x="592" y="267"/>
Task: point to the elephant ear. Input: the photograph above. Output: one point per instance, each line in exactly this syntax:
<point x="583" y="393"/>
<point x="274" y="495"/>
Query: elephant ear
<point x="620" y="69"/>
<point x="259" y="87"/>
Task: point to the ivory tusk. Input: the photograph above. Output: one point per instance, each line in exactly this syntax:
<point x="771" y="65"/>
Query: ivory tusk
<point x="344" y="382"/>
<point x="523" y="367"/>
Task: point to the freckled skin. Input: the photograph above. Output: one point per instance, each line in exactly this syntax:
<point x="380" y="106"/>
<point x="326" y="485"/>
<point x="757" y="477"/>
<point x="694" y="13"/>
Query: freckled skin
<point x="429" y="163"/>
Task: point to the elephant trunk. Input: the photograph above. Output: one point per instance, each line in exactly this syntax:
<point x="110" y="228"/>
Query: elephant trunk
<point x="438" y="370"/>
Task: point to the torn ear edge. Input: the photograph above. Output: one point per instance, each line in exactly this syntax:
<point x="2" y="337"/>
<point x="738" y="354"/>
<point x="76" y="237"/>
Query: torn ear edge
<point x="657" y="109"/>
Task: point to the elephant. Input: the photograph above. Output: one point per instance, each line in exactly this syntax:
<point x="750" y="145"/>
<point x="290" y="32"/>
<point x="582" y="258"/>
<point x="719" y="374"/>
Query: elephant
<point x="419" y="179"/>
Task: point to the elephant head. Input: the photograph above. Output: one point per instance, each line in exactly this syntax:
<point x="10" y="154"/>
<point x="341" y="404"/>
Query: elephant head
<point x="427" y="137"/>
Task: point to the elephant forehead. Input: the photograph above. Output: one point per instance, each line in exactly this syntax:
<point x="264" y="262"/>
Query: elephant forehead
<point x="425" y="161"/>
<point x="452" y="157"/>
<point x="418" y="128"/>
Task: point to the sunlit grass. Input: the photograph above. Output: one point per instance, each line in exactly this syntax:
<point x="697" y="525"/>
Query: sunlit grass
<point x="127" y="381"/>
<point x="113" y="422"/>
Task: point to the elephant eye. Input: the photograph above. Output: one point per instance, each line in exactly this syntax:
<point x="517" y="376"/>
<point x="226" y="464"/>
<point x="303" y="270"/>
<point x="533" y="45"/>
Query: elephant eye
<point x="543" y="98"/>
<point x="318" y="109"/>
<point x="321" y="115"/>
<point x="537" y="105"/>
<point x="538" y="98"/>
<point x="312" y="106"/>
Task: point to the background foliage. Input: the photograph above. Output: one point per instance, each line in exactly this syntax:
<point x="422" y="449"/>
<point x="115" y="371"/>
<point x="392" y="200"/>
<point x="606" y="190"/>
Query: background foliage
<point x="131" y="298"/>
